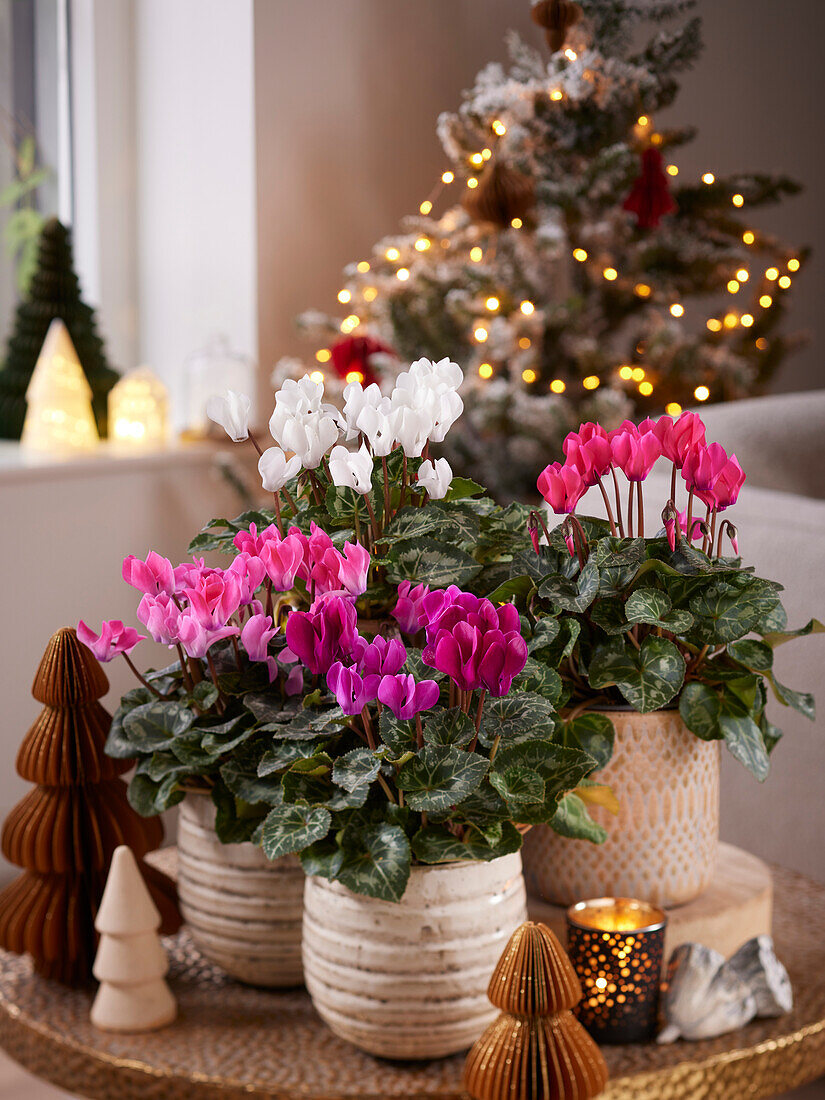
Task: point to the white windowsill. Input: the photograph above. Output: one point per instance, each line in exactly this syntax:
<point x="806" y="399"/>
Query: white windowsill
<point x="18" y="465"/>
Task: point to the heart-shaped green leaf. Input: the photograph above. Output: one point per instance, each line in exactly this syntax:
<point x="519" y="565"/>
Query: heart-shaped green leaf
<point x="376" y="861"/>
<point x="355" y="769"/>
<point x="439" y="776"/>
<point x="291" y="828"/>
<point x="648" y="678"/>
<point x="700" y="708"/>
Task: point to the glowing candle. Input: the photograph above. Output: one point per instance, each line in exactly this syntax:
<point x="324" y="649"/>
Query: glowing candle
<point x="616" y="947"/>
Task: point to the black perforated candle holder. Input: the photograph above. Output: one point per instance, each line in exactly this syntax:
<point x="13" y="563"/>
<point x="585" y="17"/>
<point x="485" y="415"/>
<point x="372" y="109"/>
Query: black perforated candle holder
<point x="616" y="946"/>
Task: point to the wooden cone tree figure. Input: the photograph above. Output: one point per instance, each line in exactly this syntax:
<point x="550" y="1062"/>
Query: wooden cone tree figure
<point x="536" y="1049"/>
<point x="65" y="830"/>
<point x="131" y="963"/>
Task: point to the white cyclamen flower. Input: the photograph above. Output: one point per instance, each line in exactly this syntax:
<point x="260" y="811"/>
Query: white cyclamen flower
<point x="378" y="425"/>
<point x="231" y="411"/>
<point x="295" y="400"/>
<point x="310" y="436"/>
<point x="435" y="478"/>
<point x="411" y="425"/>
<point x="448" y="408"/>
<point x="276" y="469"/>
<point x="351" y="469"/>
<point x="356" y="399"/>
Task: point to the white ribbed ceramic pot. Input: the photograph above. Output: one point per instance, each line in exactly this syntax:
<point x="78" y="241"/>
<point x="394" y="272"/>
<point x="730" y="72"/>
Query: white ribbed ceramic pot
<point x="662" y="846"/>
<point x="409" y="979"/>
<point x="244" y="911"/>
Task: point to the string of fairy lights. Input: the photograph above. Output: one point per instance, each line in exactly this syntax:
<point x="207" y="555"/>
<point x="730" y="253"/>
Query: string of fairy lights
<point x="773" y="281"/>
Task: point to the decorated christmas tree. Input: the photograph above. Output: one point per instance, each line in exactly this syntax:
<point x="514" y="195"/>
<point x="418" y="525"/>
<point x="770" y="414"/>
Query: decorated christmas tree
<point x="536" y="1049"/>
<point x="54" y="292"/>
<point x="563" y="259"/>
<point x="67" y="827"/>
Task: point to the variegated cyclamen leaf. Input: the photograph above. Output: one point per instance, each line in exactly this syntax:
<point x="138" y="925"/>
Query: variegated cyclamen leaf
<point x="518" y="716"/>
<point x="538" y="678"/>
<point x="518" y="785"/>
<point x="802" y="701"/>
<point x="592" y="733"/>
<point x="779" y="637"/>
<point x="648" y="678"/>
<point x="700" y="708"/>
<point x="355" y="768"/>
<point x="291" y="828"/>
<point x="439" y="776"/>
<point x="376" y="861"/>
<point x="754" y="655"/>
<point x="572" y="595"/>
<point x="426" y="561"/>
<point x="561" y="768"/>
<point x="647" y="605"/>
<point x="449" y="727"/>
<point x="154" y="726"/>
<point x="744" y="741"/>
<point x="723" y="614"/>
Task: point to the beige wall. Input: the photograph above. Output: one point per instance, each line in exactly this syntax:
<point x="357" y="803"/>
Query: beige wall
<point x="348" y="92"/>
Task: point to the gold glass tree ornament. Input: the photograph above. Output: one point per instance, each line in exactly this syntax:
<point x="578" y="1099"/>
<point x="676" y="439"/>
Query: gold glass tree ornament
<point x="139" y="410"/>
<point x="536" y="1049"/>
<point x="59" y="417"/>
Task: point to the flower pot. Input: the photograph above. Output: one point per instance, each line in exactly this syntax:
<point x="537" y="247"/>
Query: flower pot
<point x="662" y="846"/>
<point x="243" y="910"/>
<point x="409" y="979"/>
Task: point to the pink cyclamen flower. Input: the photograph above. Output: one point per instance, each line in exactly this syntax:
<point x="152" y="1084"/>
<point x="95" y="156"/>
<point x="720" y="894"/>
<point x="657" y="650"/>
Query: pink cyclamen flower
<point x="282" y="560"/>
<point x="703" y="466"/>
<point x="635" y="452"/>
<point x="250" y="542"/>
<point x="475" y="658"/>
<point x="189" y="573"/>
<point x="114" y="639"/>
<point x="256" y="634"/>
<point x="215" y="598"/>
<point x="153" y="576"/>
<point x="161" y="617"/>
<point x="250" y="572"/>
<point x="696" y="531"/>
<point x="590" y="458"/>
<point x="409" y="608"/>
<point x="382" y="657"/>
<point x="678" y="438"/>
<point x="561" y="486"/>
<point x="725" y="491"/>
<point x="323" y="635"/>
<point x="197" y="638"/>
<point x="405" y="697"/>
<point x="353" y="568"/>
<point x="352" y="690"/>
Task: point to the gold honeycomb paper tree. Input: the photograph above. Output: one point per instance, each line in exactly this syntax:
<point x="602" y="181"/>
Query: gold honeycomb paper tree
<point x="66" y="828"/>
<point x="536" y="1049"/>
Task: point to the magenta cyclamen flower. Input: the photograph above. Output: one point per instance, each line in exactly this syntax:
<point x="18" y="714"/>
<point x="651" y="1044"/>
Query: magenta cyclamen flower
<point x="352" y="690"/>
<point x="476" y="658"/>
<point x="702" y="467"/>
<point x="405" y="697"/>
<point x="591" y="458"/>
<point x="197" y="639"/>
<point x="561" y="486"/>
<point x="153" y="576"/>
<point x="250" y="542"/>
<point x="114" y="639"/>
<point x="679" y="437"/>
<point x="409" y="609"/>
<point x="250" y="572"/>
<point x="161" y="616"/>
<point x="382" y="657"/>
<point x="321" y="636"/>
<point x="214" y="598"/>
<point x="725" y="491"/>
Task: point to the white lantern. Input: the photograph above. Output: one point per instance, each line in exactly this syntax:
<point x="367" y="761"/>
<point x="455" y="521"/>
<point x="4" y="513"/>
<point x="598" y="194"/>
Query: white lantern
<point x="139" y="410"/>
<point x="212" y="370"/>
<point x="59" y="417"/>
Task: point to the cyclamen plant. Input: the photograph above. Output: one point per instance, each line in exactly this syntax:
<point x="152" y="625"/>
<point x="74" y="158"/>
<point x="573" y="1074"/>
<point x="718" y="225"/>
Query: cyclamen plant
<point x="661" y="621"/>
<point x="333" y="702"/>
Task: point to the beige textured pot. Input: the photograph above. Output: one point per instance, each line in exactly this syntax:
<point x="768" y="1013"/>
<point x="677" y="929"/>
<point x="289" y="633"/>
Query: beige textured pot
<point x="243" y="910"/>
<point x="662" y="847"/>
<point x="409" y="979"/>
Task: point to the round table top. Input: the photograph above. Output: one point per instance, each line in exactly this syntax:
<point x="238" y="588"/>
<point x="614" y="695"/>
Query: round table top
<point x="237" y="1043"/>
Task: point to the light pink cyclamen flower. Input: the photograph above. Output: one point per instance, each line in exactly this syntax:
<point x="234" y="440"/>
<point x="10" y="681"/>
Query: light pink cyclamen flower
<point x="353" y="567"/>
<point x="256" y="634"/>
<point x="153" y="576"/>
<point x="197" y="638"/>
<point x="250" y="572"/>
<point x="250" y="542"/>
<point x="283" y="560"/>
<point x="160" y="615"/>
<point x="114" y="639"/>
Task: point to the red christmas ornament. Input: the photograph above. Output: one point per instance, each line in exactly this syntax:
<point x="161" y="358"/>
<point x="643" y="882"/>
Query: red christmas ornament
<point x="650" y="198"/>
<point x="353" y="354"/>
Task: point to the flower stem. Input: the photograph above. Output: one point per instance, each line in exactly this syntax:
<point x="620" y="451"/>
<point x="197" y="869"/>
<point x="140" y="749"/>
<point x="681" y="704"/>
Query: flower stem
<point x="479" y="711"/>
<point x="289" y="500"/>
<point x="365" y="718"/>
<point x="278" y="520"/>
<point x="607" y="506"/>
<point x="630" y="510"/>
<point x="419" y="732"/>
<point x="640" y="496"/>
<point x="673" y="484"/>
<point x="690" y="518"/>
<point x="141" y="677"/>
<point x="618" y="501"/>
<point x="386" y="490"/>
<point x="213" y="672"/>
<point x="254" y="443"/>
<point x="403" y="479"/>
<point x="187" y="679"/>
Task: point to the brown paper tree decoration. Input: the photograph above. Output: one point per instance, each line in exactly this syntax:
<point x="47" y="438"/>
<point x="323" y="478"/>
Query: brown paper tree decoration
<point x="502" y="195"/>
<point x="536" y="1049"/>
<point x="557" y="17"/>
<point x="65" y="830"/>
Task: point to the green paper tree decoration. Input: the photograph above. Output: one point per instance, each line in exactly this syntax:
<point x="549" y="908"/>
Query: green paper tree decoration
<point x="54" y="292"/>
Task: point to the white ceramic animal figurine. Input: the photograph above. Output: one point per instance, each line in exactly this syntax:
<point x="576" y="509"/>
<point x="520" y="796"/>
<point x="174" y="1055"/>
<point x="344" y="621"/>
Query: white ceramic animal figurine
<point x="708" y="996"/>
<point x="130" y="963"/>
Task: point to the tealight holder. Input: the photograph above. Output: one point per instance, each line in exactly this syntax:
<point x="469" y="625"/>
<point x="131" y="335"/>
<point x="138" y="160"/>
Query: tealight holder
<point x="616" y="946"/>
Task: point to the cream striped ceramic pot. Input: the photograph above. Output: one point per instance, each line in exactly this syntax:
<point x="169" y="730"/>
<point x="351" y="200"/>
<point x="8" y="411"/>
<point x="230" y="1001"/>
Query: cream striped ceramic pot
<point x="662" y="846"/>
<point x="409" y="979"/>
<point x="244" y="911"/>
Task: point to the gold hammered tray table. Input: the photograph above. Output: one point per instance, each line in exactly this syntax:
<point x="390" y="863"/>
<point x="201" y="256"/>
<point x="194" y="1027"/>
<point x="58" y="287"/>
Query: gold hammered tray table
<point x="237" y="1043"/>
